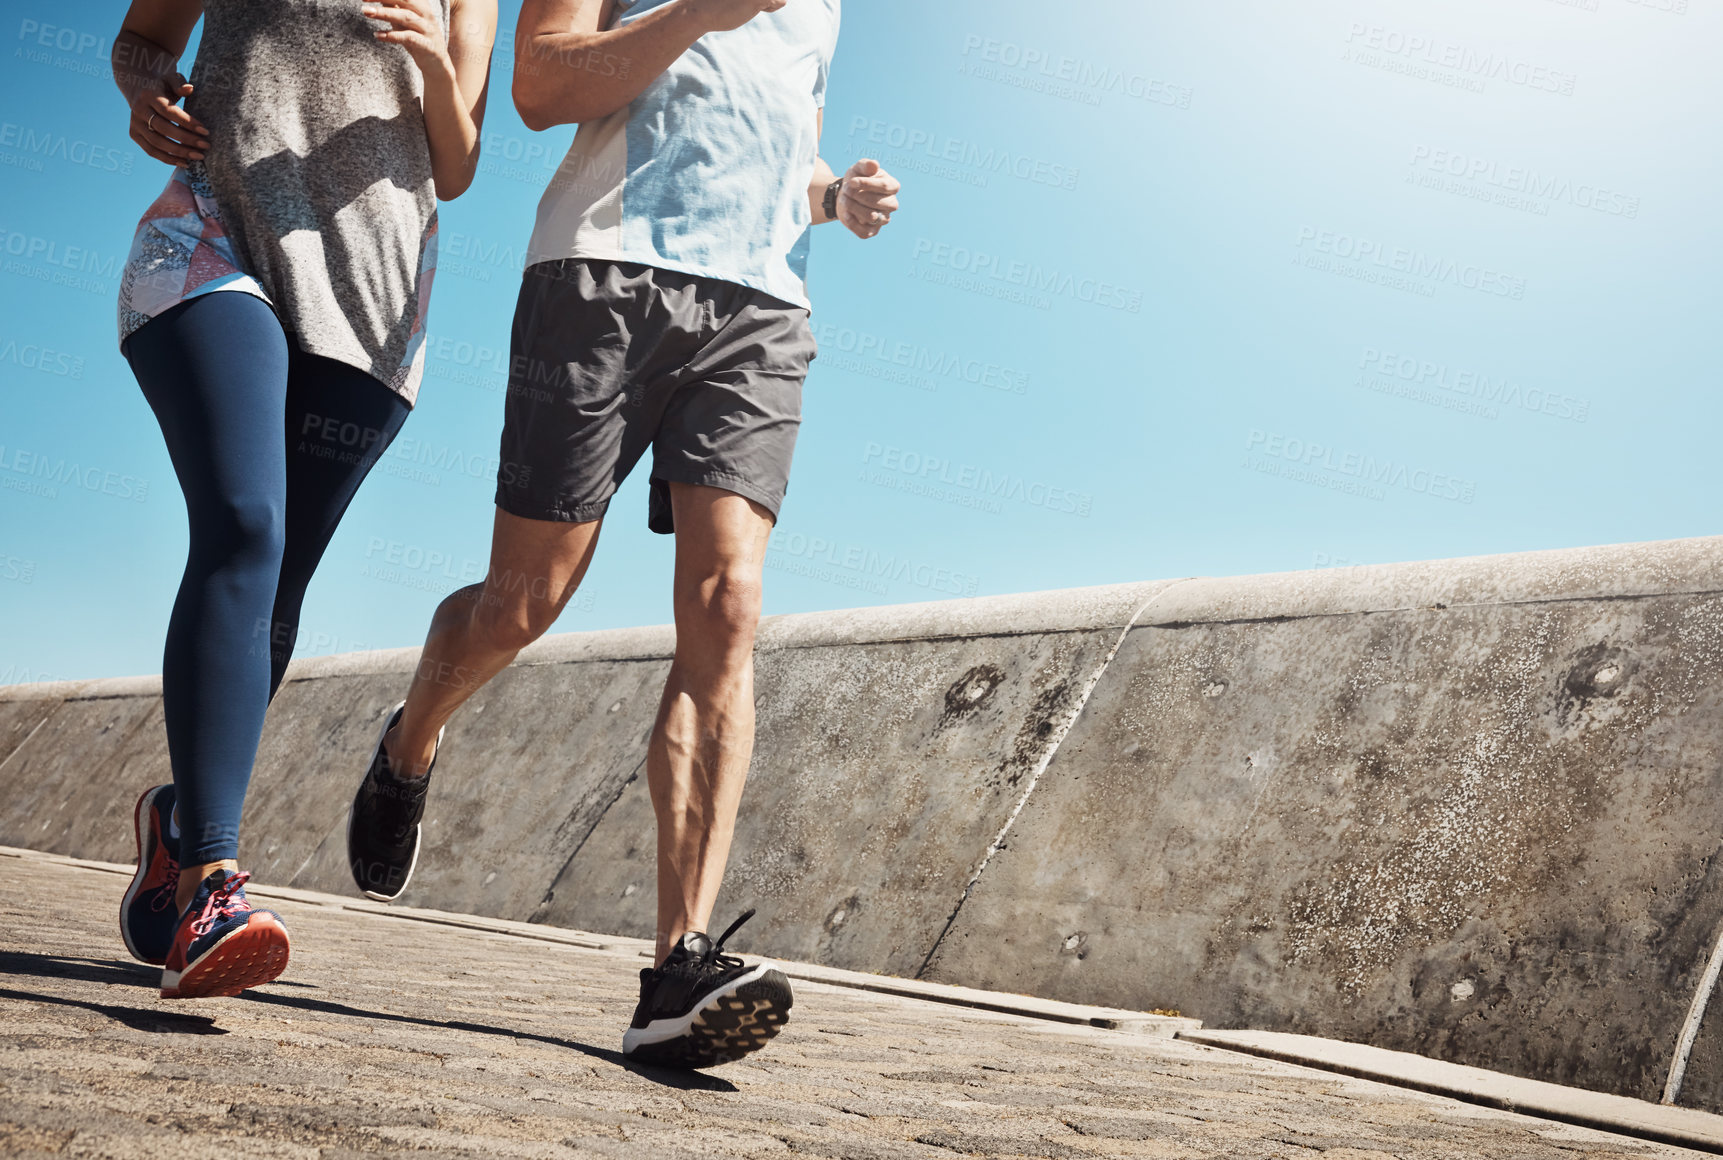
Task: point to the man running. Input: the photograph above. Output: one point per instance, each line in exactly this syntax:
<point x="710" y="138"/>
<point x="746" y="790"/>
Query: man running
<point x="663" y="306"/>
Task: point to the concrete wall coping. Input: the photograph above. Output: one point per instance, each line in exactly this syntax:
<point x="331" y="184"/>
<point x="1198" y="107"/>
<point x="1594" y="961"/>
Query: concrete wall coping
<point x="1614" y="571"/>
<point x="1064" y="610"/>
<point x="91" y="690"/>
<point x="1060" y="611"/>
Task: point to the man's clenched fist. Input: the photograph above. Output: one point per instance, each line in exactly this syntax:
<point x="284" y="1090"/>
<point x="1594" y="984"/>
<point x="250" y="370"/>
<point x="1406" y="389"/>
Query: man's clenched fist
<point x="867" y="199"/>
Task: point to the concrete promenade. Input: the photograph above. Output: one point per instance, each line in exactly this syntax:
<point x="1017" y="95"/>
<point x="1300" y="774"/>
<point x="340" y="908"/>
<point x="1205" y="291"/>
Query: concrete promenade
<point x="391" y="1036"/>
<point x="1467" y="809"/>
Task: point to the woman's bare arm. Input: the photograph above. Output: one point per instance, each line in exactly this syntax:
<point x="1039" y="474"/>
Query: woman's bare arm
<point x="456" y="69"/>
<point x="146" y="68"/>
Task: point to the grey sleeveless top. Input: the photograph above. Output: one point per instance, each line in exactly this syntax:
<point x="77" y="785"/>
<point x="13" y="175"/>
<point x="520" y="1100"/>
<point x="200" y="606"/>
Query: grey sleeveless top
<point x="321" y="172"/>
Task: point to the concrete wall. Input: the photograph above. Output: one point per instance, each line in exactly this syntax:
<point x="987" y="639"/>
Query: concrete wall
<point x="1468" y="808"/>
<point x="894" y="745"/>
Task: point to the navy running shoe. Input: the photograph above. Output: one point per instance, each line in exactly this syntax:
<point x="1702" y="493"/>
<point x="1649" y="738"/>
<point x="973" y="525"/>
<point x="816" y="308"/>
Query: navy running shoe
<point x="222" y="946"/>
<point x="383" y="825"/>
<point x="148" y="915"/>
<point x="703" y="1007"/>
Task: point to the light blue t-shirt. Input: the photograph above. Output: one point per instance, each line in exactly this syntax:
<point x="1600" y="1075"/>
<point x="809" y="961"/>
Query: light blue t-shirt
<point x="707" y="171"/>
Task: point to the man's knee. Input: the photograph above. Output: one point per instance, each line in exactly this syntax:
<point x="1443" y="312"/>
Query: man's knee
<point x="723" y="607"/>
<point x="509" y="621"/>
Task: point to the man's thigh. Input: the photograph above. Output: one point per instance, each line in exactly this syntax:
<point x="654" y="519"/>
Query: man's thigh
<point x="720" y="536"/>
<point x="536" y="565"/>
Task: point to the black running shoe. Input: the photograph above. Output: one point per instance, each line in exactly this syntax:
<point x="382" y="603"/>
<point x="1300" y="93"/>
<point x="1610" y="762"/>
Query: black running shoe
<point x="383" y="826"/>
<point x="703" y="1007"/>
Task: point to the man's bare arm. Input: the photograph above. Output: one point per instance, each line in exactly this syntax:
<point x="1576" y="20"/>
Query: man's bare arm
<point x="866" y="201"/>
<point x="571" y="66"/>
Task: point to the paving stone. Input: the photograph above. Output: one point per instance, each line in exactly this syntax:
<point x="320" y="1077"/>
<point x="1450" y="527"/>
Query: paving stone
<point x="389" y="1037"/>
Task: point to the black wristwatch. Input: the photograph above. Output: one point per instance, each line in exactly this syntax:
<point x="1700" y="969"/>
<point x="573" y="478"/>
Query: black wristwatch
<point x="830" y="205"/>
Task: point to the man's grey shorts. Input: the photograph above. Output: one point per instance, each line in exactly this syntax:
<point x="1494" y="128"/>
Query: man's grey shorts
<point x="610" y="358"/>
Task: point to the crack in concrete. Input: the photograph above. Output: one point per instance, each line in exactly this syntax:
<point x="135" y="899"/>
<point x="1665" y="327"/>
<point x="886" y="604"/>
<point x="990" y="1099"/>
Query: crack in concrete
<point x="622" y="788"/>
<point x="34" y="729"/>
<point x="1041" y="768"/>
<point x="1295" y="617"/>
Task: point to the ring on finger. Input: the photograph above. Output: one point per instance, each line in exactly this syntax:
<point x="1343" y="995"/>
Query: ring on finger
<point x="151" y="123"/>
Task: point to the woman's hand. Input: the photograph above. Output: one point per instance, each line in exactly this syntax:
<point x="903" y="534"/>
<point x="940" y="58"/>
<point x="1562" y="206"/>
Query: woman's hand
<point x="163" y="129"/>
<point x="417" y="26"/>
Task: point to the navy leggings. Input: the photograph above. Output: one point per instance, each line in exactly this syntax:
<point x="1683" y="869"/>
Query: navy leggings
<point x="269" y="444"/>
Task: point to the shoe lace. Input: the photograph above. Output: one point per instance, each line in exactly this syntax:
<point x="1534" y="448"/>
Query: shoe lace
<point x="715" y="956"/>
<point x="221" y="903"/>
<point x="170" y="874"/>
<point x="396" y="803"/>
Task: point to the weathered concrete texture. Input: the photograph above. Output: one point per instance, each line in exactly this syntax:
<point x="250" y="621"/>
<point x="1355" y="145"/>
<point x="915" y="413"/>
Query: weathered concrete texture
<point x="892" y="748"/>
<point x="68" y="780"/>
<point x="523" y="775"/>
<point x="1480" y="823"/>
<point x="517" y="794"/>
<point x="894" y="743"/>
<point x="1466" y="808"/>
<point x="399" y="1038"/>
<point x="1682" y="1126"/>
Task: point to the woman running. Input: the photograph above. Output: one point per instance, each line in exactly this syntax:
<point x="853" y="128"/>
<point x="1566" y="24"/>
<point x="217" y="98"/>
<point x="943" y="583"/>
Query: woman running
<point x="273" y="311"/>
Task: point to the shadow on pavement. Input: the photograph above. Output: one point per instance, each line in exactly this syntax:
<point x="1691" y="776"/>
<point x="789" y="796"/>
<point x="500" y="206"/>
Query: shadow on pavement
<point x="666" y="1077"/>
<point x="118" y="971"/>
<point x="111" y="972"/>
<point x="108" y="971"/>
<point x="137" y="1018"/>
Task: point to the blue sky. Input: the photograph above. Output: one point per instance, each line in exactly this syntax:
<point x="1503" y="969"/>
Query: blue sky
<point x="1177" y="289"/>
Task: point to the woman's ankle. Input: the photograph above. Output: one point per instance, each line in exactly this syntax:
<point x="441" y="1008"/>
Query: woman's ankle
<point x="190" y="877"/>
